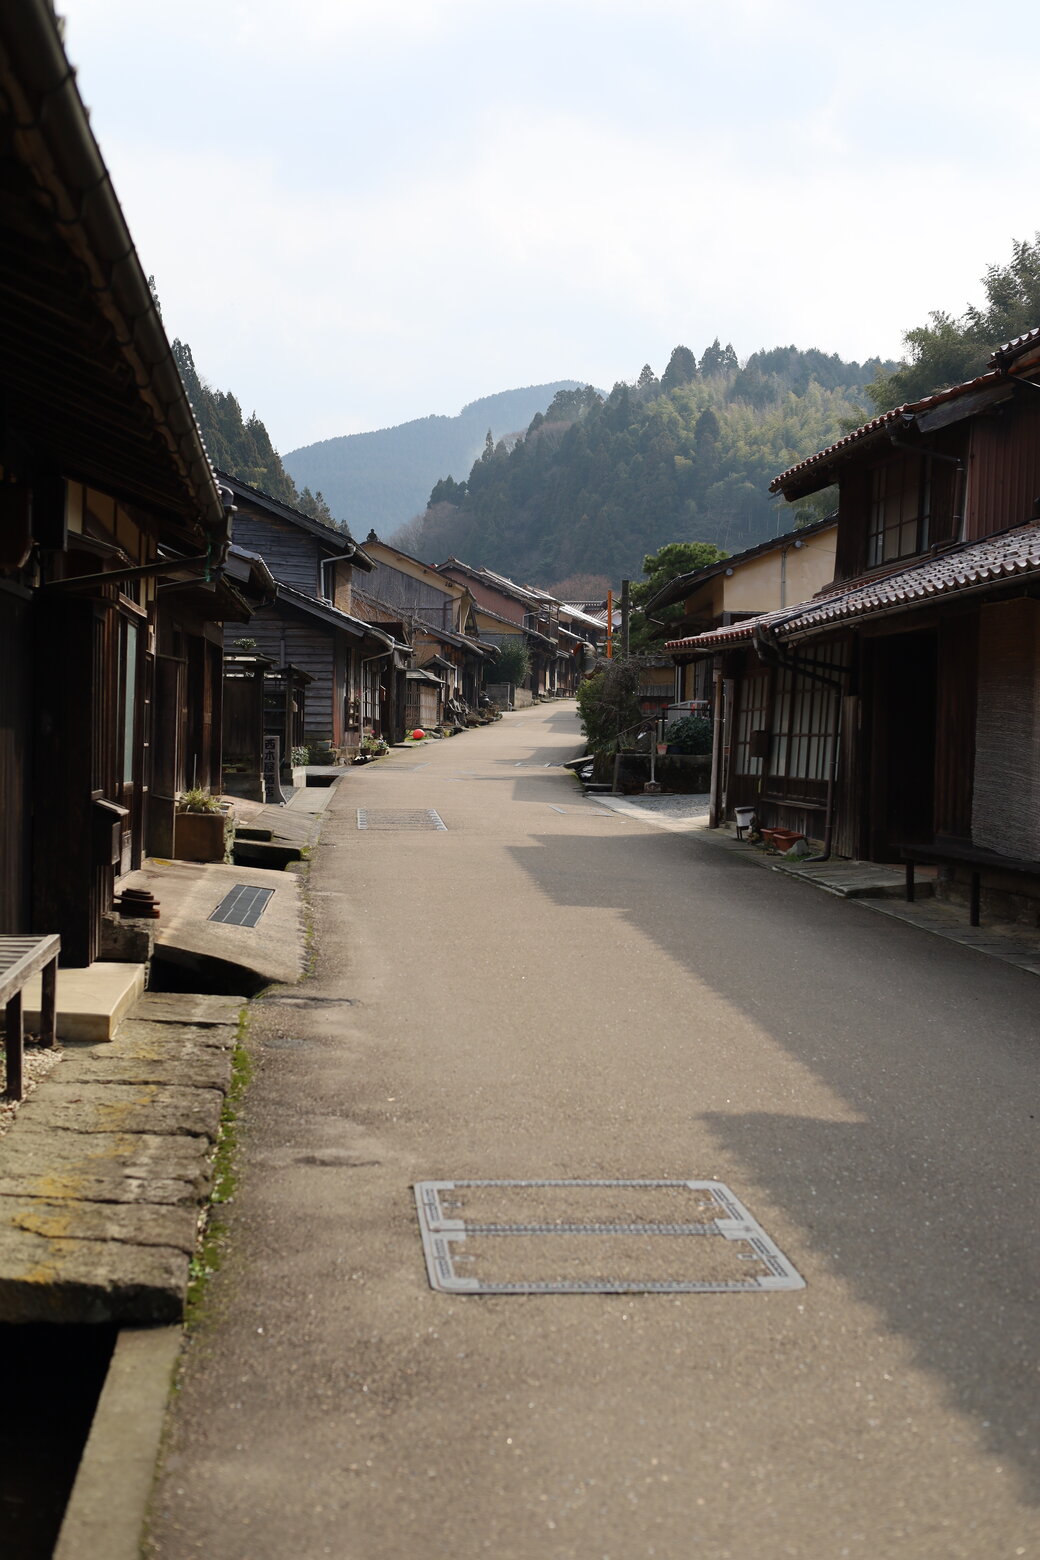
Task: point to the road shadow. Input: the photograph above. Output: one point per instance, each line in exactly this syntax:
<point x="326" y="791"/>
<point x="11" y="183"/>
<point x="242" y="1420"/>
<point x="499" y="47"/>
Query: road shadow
<point x="926" y="1206"/>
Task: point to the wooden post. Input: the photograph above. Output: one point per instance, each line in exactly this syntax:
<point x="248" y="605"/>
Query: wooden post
<point x="49" y="1003"/>
<point x="14" y="1046"/>
<point x="626" y="613"/>
<point x="610" y="625"/>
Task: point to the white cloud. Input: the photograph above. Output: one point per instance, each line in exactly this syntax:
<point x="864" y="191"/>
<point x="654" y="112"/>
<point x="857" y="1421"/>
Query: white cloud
<point x="400" y="249"/>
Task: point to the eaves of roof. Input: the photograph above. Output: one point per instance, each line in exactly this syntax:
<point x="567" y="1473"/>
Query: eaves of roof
<point x="1012" y="350"/>
<point x="682" y="585"/>
<point x="994" y="562"/>
<point x="340" y="540"/>
<point x="327" y="613"/>
<point x="115" y="412"/>
<point x="449" y="637"/>
<point x="811" y="474"/>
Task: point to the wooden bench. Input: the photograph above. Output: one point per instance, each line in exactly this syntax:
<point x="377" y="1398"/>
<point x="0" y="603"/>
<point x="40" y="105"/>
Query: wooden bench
<point x="951" y="854"/>
<point x="20" y="959"/>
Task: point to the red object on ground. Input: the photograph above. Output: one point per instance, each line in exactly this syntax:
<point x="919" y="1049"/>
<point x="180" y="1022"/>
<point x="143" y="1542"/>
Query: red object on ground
<point x="781" y="839"/>
<point x="418" y="735"/>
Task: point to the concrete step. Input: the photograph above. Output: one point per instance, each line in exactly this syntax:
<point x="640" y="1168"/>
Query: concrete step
<point x="91" y="1002"/>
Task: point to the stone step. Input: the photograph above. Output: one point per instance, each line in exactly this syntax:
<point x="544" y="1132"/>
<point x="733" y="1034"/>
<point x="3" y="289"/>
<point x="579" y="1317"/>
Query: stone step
<point x="91" y="1002"/>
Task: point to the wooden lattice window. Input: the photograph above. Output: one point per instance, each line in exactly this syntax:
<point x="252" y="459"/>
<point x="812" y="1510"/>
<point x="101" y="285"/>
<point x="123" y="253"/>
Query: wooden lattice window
<point x="751" y="716"/>
<point x="899" y="512"/>
<point x="805" y="716"/>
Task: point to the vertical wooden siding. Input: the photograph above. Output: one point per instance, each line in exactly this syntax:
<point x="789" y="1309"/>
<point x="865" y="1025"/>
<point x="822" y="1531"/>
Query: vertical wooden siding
<point x="956" y="697"/>
<point x="1004" y="471"/>
<point x="15" y="747"/>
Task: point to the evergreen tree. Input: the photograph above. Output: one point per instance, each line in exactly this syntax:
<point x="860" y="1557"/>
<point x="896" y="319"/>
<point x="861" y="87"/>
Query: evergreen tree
<point x="242" y="447"/>
<point x="951" y="349"/>
<point x="681" y="370"/>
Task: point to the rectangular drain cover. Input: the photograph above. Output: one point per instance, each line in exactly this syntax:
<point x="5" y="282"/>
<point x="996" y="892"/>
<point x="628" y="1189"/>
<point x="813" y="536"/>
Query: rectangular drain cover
<point x="243" y="906"/>
<point x="594" y="1237"/>
<point x="394" y="818"/>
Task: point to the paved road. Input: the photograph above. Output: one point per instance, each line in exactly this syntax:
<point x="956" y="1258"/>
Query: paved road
<point x="567" y="993"/>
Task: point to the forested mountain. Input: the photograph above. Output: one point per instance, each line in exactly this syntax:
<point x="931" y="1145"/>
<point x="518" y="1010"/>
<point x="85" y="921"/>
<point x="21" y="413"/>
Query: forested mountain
<point x="380" y="479"/>
<point x="595" y="484"/>
<point x="240" y="446"/>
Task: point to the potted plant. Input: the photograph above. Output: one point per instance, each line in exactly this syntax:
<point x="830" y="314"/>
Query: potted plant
<point x="203" y="826"/>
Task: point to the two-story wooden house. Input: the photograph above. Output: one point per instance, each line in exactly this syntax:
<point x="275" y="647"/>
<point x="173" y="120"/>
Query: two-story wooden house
<point x="112" y="527"/>
<point x="309" y="630"/>
<point x="439" y="622"/>
<point x="898" y="710"/>
<point x="772" y="574"/>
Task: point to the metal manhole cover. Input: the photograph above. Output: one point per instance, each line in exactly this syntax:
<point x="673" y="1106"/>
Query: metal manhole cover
<point x="594" y="1237"/>
<point x="243" y="906"/>
<point x="399" y="819"/>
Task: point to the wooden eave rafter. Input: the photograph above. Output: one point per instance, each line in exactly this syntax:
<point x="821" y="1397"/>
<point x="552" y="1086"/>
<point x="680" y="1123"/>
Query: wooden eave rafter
<point x="88" y="379"/>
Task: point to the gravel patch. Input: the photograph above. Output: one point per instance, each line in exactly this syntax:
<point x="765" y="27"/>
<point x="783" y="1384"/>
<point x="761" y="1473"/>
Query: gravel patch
<point x="672" y="806"/>
<point x="39" y="1061"/>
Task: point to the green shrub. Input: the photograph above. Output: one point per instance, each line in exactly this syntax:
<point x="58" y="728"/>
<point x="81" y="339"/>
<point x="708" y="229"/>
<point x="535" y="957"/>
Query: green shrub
<point x="690" y="734"/>
<point x="513" y="663"/>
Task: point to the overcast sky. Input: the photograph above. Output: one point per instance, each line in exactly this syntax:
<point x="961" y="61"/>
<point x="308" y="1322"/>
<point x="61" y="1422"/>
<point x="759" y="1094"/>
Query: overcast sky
<point x="363" y="211"/>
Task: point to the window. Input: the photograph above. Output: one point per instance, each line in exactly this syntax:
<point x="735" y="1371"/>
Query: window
<point x="898" y="518"/>
<point x="751" y="716"/>
<point x="805" y="714"/>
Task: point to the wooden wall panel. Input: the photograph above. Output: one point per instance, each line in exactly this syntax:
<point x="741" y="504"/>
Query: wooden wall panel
<point x="956" y="697"/>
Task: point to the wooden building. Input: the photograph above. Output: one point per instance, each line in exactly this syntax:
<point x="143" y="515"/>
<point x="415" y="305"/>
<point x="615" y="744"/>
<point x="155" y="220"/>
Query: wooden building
<point x="309" y="623"/>
<point x="437" y="617"/>
<point x="773" y="574"/>
<point x="896" y="711"/>
<point x="112" y="527"/>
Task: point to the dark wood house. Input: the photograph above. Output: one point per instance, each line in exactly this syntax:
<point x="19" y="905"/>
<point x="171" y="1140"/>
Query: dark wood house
<point x="895" y="712"/>
<point x="112" y="527"/>
<point x="309" y="624"/>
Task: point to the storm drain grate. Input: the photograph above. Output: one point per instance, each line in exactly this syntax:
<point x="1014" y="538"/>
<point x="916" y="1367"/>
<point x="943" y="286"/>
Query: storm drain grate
<point x="399" y="819"/>
<point x="594" y="1237"/>
<point x="243" y="906"/>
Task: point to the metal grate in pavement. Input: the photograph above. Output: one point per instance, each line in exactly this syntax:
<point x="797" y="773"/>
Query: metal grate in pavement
<point x="595" y="1237"/>
<point x="243" y="906"/>
<point x="398" y="820"/>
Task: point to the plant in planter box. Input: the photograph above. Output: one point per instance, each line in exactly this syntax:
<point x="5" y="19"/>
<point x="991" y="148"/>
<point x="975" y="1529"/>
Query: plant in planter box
<point x="300" y="757"/>
<point x="203" y="827"/>
<point x="374" y="747"/>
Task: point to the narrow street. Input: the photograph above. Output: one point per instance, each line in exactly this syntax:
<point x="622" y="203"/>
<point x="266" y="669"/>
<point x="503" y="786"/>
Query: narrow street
<point x="544" y="989"/>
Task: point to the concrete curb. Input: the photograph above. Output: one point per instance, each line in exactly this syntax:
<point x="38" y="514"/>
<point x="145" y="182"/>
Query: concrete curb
<point x="105" y="1516"/>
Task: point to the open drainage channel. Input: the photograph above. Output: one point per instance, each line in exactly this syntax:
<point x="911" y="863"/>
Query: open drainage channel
<point x="595" y="1237"/>
<point x="52" y="1380"/>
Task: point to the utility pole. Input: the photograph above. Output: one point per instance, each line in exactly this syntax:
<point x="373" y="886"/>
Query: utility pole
<point x="610" y="625"/>
<point x="626" y="613"/>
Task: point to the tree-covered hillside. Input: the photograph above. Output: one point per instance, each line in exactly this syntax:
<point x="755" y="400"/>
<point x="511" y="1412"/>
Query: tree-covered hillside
<point x="378" y="480"/>
<point x="595" y="484"/>
<point x="242" y="446"/>
<point x="951" y="349"/>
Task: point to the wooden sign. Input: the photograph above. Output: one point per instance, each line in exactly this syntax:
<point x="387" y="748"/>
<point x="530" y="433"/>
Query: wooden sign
<point x="272" y="764"/>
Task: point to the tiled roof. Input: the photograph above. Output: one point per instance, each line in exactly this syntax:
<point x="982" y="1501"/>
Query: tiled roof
<point x="994" y="561"/>
<point x="906" y="413"/>
<point x="1014" y="348"/>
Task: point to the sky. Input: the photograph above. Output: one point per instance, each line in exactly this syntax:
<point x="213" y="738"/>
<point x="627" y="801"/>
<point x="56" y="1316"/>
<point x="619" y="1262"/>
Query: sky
<point x="359" y="212"/>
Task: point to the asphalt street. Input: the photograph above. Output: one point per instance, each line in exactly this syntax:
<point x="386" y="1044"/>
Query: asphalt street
<point x="543" y="990"/>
